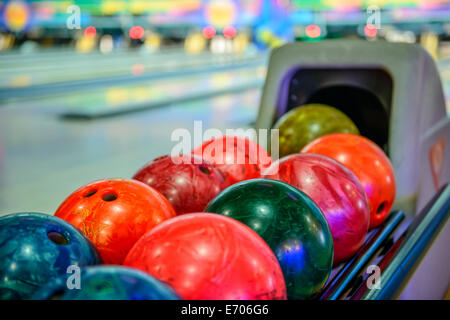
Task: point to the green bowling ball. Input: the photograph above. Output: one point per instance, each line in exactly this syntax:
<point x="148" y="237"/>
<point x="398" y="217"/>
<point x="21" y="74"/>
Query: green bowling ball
<point x="304" y="124"/>
<point x="291" y="224"/>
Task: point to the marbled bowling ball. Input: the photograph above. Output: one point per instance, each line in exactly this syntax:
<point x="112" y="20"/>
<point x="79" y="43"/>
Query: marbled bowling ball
<point x="337" y="192"/>
<point x="106" y="283"/>
<point x="368" y="162"/>
<point x="37" y="247"/>
<point x="291" y="224"/>
<point x="188" y="182"/>
<point x="114" y="214"/>
<point x="237" y="158"/>
<point x="303" y="124"/>
<point x="207" y="256"/>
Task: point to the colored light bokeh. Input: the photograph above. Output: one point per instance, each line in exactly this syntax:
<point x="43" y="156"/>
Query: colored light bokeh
<point x="16" y="15"/>
<point x="209" y="32"/>
<point x="136" y="32"/>
<point x="370" y="30"/>
<point x="313" y="31"/>
<point x="90" y="32"/>
<point x="229" y="32"/>
<point x="221" y="13"/>
<point x="344" y="5"/>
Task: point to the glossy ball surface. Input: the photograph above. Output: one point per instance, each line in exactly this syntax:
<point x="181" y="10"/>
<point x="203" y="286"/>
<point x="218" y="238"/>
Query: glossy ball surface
<point x="368" y="162"/>
<point x="209" y="257"/>
<point x="188" y="182"/>
<point x="303" y="124"/>
<point x="238" y="159"/>
<point x="114" y="214"/>
<point x="291" y="224"/>
<point x="337" y="192"/>
<point x="107" y="283"/>
<point x="35" y="248"/>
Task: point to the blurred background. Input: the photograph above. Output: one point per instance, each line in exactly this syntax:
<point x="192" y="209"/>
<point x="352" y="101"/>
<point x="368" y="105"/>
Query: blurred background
<point x="49" y="42"/>
<point x="218" y="26"/>
<point x="91" y="89"/>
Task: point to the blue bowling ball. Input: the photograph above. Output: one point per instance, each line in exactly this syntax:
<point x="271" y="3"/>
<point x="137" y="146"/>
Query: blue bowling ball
<point x="37" y="247"/>
<point x="107" y="283"/>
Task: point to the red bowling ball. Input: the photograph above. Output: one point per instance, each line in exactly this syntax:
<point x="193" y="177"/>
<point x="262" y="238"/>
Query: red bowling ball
<point x="206" y="256"/>
<point x="114" y="214"/>
<point x="188" y="182"/>
<point x="368" y="162"/>
<point x="237" y="158"/>
<point x="337" y="192"/>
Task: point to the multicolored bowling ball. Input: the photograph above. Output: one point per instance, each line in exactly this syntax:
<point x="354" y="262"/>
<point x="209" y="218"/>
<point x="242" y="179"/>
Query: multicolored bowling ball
<point x="114" y="214"/>
<point x="291" y="224"/>
<point x="188" y="182"/>
<point x="337" y="192"/>
<point x="209" y="257"/>
<point x="237" y="158"/>
<point x="303" y="124"/>
<point x="37" y="247"/>
<point x="106" y="283"/>
<point x="368" y="162"/>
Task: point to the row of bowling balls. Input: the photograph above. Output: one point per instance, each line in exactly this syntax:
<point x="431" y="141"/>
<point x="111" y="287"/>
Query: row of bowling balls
<point x="275" y="237"/>
<point x="44" y="257"/>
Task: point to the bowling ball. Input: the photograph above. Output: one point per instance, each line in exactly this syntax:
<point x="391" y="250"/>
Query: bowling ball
<point x="237" y="158"/>
<point x="188" y="182"/>
<point x="291" y="224"/>
<point x="36" y="247"/>
<point x="106" y="283"/>
<point x="209" y="257"/>
<point x="303" y="124"/>
<point x="337" y="192"/>
<point x="114" y="214"/>
<point x="368" y="162"/>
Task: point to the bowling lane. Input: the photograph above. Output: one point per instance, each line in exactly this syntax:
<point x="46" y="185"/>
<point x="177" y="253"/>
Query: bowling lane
<point x="22" y="73"/>
<point x="44" y="158"/>
<point x="124" y="98"/>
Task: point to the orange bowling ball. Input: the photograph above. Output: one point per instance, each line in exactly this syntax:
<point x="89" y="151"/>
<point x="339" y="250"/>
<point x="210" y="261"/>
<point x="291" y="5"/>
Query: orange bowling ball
<point x="114" y="214"/>
<point x="368" y="162"/>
